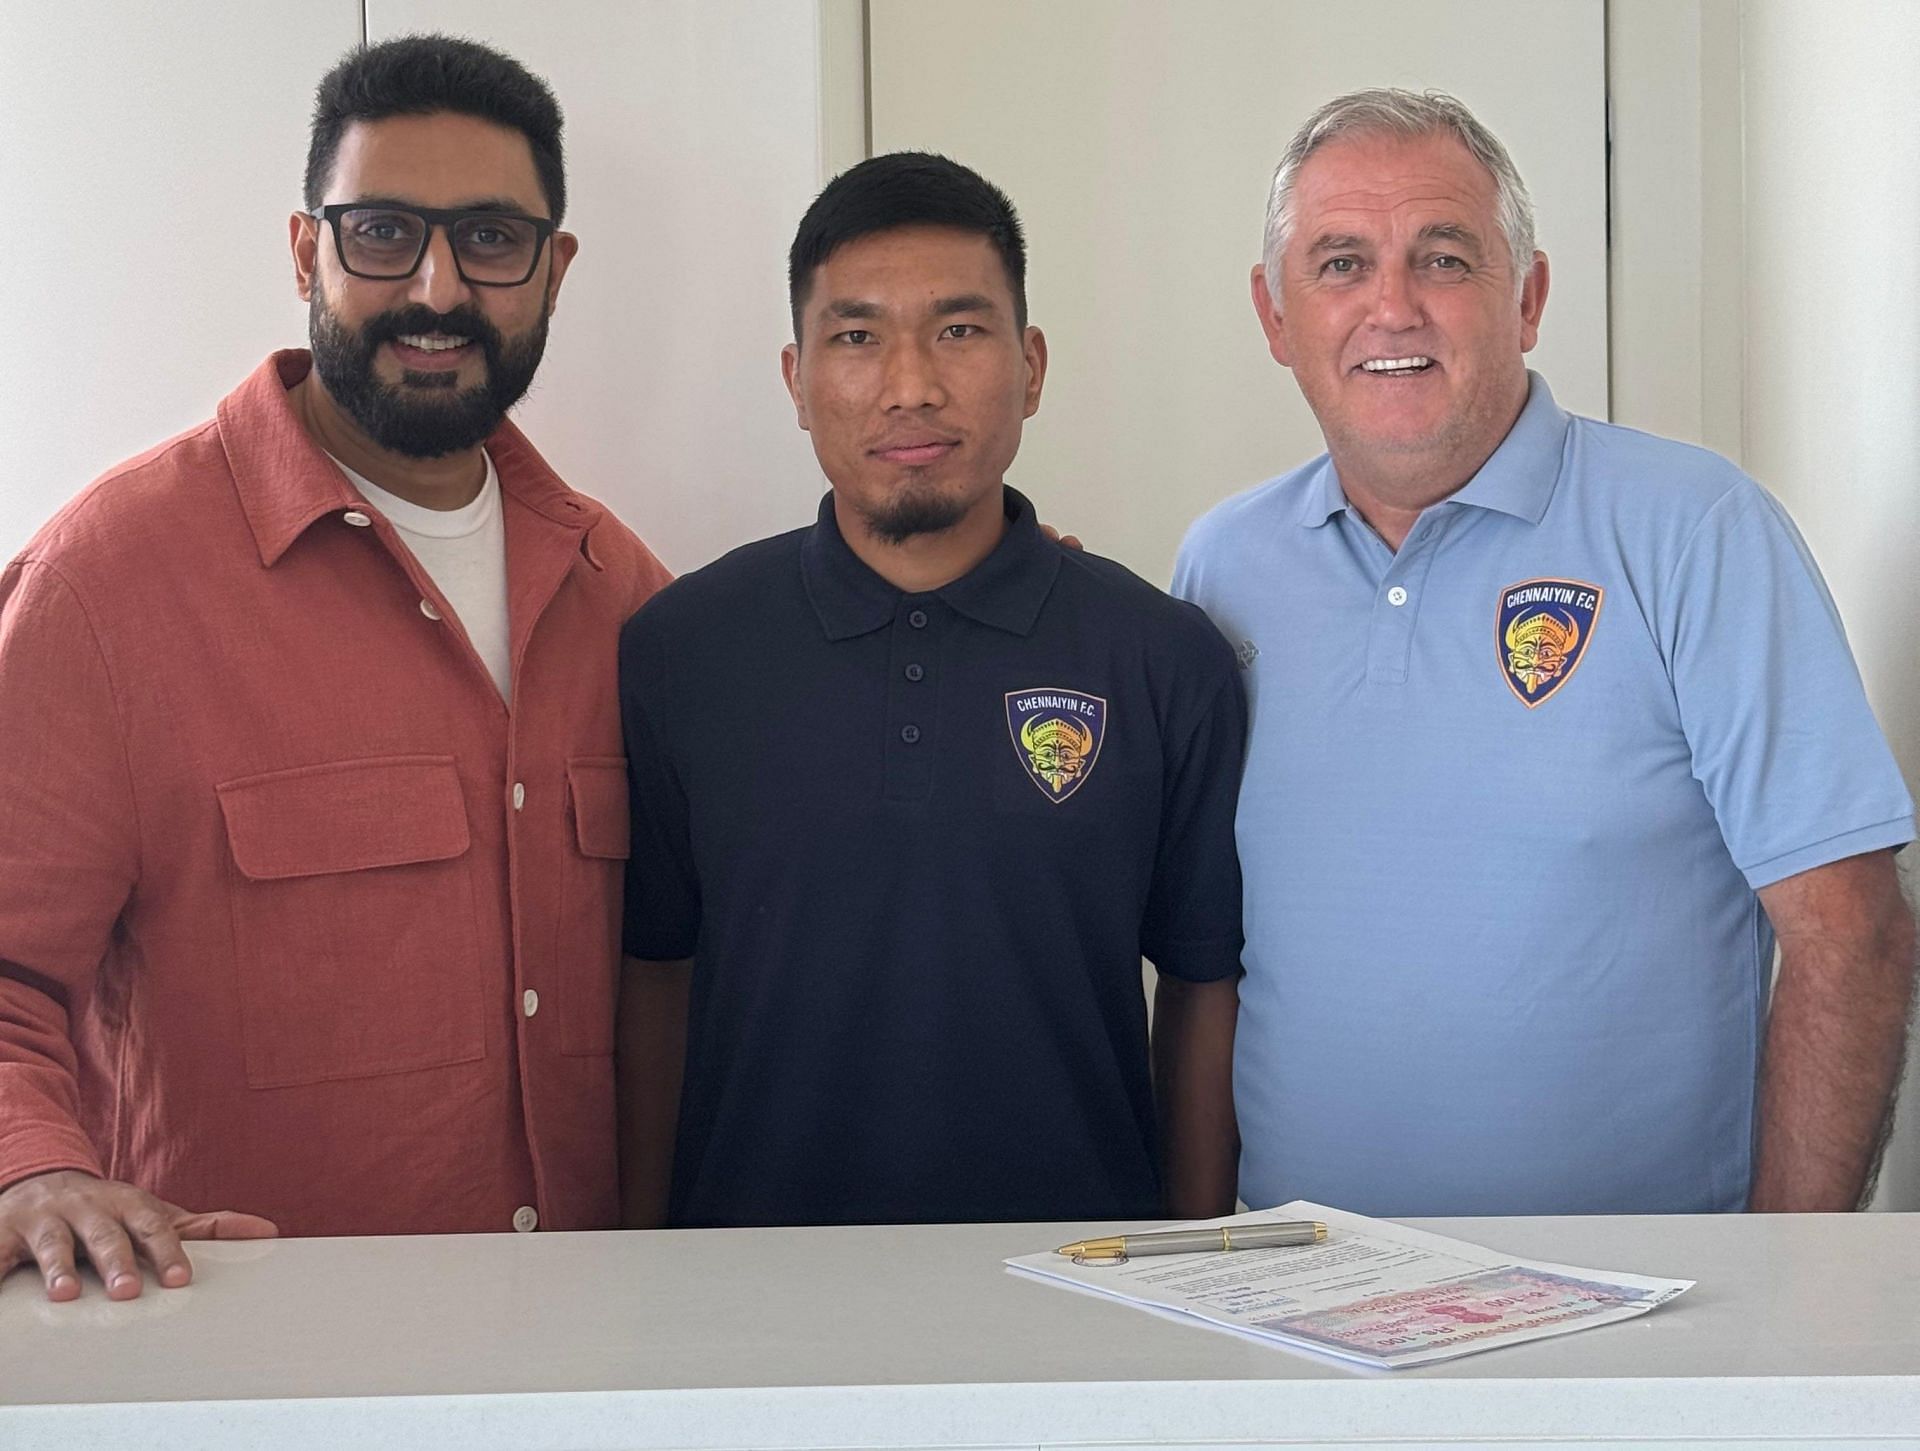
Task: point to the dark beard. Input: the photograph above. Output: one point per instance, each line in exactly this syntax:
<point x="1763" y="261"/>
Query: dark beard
<point x="912" y="511"/>
<point x="425" y="415"/>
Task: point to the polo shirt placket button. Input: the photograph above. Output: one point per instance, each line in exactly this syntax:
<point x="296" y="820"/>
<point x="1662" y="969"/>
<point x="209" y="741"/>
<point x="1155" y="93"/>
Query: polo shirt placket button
<point x="1390" y="635"/>
<point x="915" y="672"/>
<point x="525" y="1219"/>
<point x="910" y="734"/>
<point x="427" y="609"/>
<point x="356" y="518"/>
<point x="918" y="619"/>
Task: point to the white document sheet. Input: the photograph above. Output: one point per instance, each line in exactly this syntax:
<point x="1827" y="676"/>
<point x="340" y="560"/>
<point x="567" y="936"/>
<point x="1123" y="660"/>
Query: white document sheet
<point x="1373" y="1292"/>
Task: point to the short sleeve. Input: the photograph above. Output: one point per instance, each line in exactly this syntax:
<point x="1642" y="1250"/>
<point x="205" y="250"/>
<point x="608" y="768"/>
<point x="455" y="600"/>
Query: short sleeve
<point x="1190" y="564"/>
<point x="662" y="920"/>
<point x="1192" y="928"/>
<point x="1782" y="739"/>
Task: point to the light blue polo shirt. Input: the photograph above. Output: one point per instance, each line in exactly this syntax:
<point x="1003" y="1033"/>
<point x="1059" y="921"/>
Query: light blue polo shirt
<point x="1508" y="797"/>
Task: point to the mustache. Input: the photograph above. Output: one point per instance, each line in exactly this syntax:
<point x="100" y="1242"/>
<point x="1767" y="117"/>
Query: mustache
<point x="465" y="322"/>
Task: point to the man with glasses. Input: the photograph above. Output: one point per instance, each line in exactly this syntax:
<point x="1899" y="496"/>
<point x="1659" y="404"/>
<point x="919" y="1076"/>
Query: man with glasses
<point x="312" y="795"/>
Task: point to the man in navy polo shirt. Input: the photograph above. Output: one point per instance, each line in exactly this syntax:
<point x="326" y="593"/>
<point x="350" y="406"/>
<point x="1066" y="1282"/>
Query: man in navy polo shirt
<point x="1554" y="730"/>
<point x="914" y="790"/>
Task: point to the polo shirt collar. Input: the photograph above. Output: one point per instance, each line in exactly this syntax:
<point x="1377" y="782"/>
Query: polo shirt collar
<point x="1518" y="479"/>
<point x="1324" y="497"/>
<point x="1005" y="590"/>
<point x="286" y="482"/>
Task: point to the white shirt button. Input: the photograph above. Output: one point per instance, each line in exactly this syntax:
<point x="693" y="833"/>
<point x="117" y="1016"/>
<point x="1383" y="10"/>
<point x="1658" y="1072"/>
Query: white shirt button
<point x="526" y="1218"/>
<point x="427" y="609"/>
<point x="530" y="1002"/>
<point x="1396" y="596"/>
<point x="519" y="795"/>
<point x="356" y="518"/>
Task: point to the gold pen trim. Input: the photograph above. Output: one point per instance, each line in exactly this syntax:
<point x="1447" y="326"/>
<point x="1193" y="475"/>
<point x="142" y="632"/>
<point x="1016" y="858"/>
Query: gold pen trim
<point x="1095" y="1247"/>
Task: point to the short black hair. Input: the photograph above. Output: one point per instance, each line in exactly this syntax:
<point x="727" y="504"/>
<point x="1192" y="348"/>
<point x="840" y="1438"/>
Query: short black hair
<point x="905" y="189"/>
<point x="416" y="75"/>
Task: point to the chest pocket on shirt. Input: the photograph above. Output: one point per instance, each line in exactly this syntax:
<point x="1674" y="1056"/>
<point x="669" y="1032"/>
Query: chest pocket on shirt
<point x="353" y="920"/>
<point x="588" y="956"/>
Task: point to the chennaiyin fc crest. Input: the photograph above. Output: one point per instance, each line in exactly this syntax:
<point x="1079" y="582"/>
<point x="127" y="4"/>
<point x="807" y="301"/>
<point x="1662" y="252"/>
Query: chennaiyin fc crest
<point x="1541" y="632"/>
<point x="1057" y="734"/>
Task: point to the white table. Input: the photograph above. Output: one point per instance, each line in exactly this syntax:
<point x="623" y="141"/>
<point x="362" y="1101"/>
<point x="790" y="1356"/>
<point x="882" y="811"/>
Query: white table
<point x="1801" y="1331"/>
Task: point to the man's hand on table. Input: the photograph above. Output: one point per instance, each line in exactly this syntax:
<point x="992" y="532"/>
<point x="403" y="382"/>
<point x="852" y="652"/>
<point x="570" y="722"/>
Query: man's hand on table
<point x="50" y="1219"/>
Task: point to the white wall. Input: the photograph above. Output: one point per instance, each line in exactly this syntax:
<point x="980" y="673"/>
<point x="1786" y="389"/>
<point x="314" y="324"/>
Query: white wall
<point x="149" y="156"/>
<point x="692" y="150"/>
<point x="1137" y="139"/>
<point x="1832" y="375"/>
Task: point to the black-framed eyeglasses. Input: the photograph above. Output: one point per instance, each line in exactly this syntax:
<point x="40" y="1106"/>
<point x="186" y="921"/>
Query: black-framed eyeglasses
<point x="384" y="242"/>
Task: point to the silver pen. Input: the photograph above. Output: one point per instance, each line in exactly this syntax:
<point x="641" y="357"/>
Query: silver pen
<point x="1269" y="1235"/>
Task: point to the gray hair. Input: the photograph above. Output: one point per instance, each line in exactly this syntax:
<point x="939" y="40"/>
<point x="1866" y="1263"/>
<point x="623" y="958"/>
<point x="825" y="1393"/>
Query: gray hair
<point x="1401" y="113"/>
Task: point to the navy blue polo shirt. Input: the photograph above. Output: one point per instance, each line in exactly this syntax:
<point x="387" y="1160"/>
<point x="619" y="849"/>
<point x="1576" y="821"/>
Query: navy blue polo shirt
<point x="917" y="845"/>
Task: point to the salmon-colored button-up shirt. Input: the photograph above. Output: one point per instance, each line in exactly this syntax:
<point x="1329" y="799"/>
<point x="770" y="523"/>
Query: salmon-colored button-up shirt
<point x="297" y="915"/>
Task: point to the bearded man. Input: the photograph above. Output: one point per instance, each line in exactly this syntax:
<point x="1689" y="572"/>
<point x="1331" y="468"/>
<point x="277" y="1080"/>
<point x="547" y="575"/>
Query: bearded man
<point x="312" y="792"/>
<point x="916" y="788"/>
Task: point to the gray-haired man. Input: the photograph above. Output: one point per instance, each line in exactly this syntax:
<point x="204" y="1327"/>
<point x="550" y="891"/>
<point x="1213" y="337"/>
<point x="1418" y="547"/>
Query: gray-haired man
<point x="1554" y="730"/>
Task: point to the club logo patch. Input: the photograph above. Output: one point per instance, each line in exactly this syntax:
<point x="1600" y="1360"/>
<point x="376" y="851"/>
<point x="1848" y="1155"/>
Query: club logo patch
<point x="1057" y="734"/>
<point x="1541" y="631"/>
